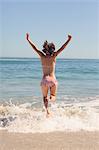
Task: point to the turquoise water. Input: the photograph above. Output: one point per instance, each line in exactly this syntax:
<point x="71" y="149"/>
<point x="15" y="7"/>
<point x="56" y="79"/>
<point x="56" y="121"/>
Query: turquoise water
<point x="20" y="78"/>
<point x="77" y="103"/>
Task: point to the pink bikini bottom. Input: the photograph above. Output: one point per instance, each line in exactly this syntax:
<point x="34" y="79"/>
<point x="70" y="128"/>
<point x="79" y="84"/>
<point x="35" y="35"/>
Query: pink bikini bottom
<point x="49" y="81"/>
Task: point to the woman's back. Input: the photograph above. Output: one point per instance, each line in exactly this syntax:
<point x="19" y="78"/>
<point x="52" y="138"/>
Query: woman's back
<point x="48" y="65"/>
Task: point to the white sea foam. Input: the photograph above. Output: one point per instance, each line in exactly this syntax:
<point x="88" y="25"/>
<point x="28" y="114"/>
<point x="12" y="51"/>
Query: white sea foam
<point x="65" y="117"/>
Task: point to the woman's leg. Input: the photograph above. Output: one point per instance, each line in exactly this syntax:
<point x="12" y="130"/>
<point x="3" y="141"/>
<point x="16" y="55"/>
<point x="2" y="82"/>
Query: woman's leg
<point x="53" y="91"/>
<point x="45" y="99"/>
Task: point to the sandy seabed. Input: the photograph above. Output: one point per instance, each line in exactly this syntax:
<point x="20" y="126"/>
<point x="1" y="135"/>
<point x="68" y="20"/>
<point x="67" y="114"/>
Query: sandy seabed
<point x="49" y="141"/>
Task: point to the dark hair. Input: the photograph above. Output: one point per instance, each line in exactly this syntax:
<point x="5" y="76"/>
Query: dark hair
<point x="51" y="47"/>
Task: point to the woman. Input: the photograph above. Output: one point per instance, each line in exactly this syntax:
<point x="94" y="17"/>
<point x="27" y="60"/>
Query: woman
<point x="48" y="60"/>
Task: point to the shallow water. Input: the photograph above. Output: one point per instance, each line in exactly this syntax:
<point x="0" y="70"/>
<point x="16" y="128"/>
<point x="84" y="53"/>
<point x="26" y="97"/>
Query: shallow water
<point x="27" y="118"/>
<point x="20" y="78"/>
<point x="77" y="102"/>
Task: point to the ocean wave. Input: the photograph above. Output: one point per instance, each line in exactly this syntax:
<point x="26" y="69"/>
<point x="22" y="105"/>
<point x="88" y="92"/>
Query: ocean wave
<point x="26" y="118"/>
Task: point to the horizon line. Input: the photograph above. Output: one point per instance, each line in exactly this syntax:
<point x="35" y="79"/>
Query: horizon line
<point x="38" y="58"/>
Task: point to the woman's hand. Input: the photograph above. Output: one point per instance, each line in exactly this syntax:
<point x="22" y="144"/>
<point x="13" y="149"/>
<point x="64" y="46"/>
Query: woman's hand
<point x="69" y="37"/>
<point x="27" y="36"/>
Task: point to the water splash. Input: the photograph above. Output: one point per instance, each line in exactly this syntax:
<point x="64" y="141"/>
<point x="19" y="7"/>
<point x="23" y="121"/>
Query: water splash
<point x="65" y="117"/>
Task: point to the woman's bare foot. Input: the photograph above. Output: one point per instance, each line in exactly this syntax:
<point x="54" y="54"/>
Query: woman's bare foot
<point x="52" y="98"/>
<point x="49" y="114"/>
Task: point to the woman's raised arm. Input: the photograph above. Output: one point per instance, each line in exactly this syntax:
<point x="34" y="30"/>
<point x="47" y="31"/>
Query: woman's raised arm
<point x="33" y="46"/>
<point x="64" y="45"/>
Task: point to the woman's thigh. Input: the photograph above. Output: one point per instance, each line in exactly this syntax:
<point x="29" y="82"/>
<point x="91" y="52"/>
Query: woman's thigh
<point x="53" y="91"/>
<point x="44" y="90"/>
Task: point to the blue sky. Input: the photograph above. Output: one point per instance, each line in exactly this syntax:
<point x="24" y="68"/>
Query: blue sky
<point x="52" y="21"/>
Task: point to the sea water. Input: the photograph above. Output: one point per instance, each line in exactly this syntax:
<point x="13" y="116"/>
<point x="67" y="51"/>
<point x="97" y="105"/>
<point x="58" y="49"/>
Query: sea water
<point x="77" y="103"/>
